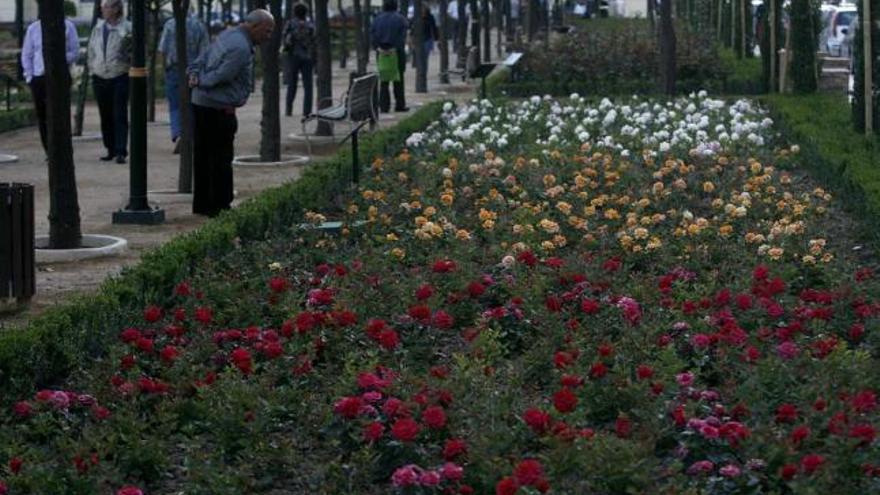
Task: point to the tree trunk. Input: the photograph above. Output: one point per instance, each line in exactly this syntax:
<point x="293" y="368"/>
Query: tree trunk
<point x="155" y="31"/>
<point x="324" y="71"/>
<point x="652" y="7"/>
<point x="803" y="63"/>
<point x="343" y="36"/>
<point x="487" y="30"/>
<point x="270" y="122"/>
<point x="84" y="82"/>
<point x="499" y="24"/>
<point x="461" y="49"/>
<point x="443" y="43"/>
<point x="64" y="227"/>
<point x="667" y="48"/>
<point x="475" y="27"/>
<point x="367" y="19"/>
<point x="184" y="169"/>
<point x="360" y="42"/>
<point x="419" y="47"/>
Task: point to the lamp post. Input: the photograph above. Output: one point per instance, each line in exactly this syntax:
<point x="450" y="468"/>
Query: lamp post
<point x="138" y="210"/>
<point x="868" y="66"/>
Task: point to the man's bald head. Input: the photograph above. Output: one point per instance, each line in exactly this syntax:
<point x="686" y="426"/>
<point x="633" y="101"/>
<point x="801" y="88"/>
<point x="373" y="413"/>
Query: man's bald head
<point x="259" y="23"/>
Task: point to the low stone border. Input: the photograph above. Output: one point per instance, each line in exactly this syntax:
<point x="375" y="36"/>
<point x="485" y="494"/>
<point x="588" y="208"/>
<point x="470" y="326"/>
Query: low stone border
<point x="86" y="137"/>
<point x="254" y="161"/>
<point x="315" y="140"/>
<point x="94" y="246"/>
<point x="7" y="158"/>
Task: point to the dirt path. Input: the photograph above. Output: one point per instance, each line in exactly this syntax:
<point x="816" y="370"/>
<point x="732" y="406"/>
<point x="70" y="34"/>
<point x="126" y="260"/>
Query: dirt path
<point x="103" y="187"/>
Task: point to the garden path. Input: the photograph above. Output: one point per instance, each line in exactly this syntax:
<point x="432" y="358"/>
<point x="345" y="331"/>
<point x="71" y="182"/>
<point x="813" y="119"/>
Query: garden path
<point x="103" y="187"/>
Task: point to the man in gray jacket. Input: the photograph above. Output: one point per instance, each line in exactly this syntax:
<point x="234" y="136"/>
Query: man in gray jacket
<point x="221" y="81"/>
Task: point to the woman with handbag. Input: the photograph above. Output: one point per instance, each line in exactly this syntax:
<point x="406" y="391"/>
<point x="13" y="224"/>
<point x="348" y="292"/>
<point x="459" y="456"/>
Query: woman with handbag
<point x="388" y="33"/>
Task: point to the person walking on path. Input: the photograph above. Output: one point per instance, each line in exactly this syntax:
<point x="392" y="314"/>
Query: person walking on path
<point x="388" y="33"/>
<point x="221" y="82"/>
<point x="109" y="60"/>
<point x="299" y="44"/>
<point x="35" y="72"/>
<point x="196" y="43"/>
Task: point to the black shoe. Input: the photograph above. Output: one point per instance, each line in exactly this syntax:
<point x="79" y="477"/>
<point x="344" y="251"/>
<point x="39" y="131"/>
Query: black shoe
<point x="120" y="159"/>
<point x="107" y="158"/>
<point x="176" y="149"/>
<point x="401" y="109"/>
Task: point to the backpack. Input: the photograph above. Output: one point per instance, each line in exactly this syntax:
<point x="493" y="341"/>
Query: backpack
<point x="299" y="38"/>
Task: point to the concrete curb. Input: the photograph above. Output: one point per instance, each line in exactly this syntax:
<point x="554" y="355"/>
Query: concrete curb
<point x="87" y="137"/>
<point x="247" y="161"/>
<point x="6" y="158"/>
<point x="94" y="246"/>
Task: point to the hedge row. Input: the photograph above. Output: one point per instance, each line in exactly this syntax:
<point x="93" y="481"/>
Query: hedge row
<point x="833" y="151"/>
<point x="16" y="119"/>
<point x="55" y="344"/>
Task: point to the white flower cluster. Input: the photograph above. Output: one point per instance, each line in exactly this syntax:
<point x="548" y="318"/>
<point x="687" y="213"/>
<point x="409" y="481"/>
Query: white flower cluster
<point x="696" y="124"/>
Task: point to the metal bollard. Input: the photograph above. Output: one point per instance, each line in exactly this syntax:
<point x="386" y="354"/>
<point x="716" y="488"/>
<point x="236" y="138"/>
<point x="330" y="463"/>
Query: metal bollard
<point x="17" y="269"/>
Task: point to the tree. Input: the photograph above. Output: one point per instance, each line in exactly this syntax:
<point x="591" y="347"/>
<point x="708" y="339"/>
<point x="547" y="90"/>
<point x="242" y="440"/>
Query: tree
<point x="154" y="7"/>
<point x="804" y="40"/>
<point x="443" y="43"/>
<point x="770" y="61"/>
<point x="270" y="122"/>
<point x="180" y="9"/>
<point x="667" y="48"/>
<point x="487" y="30"/>
<point x="475" y="27"/>
<point x="461" y="39"/>
<point x="343" y="36"/>
<point x="419" y="48"/>
<point x="860" y="95"/>
<point x="324" y="70"/>
<point x="360" y="42"/>
<point x="64" y="224"/>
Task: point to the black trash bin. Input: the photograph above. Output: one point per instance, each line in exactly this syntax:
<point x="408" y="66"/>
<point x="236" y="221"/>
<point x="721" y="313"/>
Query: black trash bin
<point x="17" y="272"/>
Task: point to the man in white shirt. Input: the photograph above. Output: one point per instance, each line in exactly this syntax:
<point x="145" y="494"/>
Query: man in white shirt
<point x="34" y="70"/>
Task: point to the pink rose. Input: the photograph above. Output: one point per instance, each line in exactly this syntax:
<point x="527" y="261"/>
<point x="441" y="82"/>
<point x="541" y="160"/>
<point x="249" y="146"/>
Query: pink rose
<point x="729" y="471"/>
<point x="452" y="471"/>
<point x="429" y="478"/>
<point x="685" y="379"/>
<point x="405" y="476"/>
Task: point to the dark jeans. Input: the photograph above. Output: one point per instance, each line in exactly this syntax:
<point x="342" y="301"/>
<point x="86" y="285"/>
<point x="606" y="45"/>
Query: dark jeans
<point x="399" y="97"/>
<point x="112" y="96"/>
<point x="212" y="159"/>
<point x="299" y="66"/>
<point x="38" y="90"/>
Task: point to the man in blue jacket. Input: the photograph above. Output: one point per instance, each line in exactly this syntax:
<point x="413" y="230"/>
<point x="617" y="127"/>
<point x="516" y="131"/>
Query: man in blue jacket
<point x="388" y="32"/>
<point x="221" y="81"/>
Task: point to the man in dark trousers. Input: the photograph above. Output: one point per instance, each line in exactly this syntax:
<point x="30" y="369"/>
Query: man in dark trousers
<point x="221" y="81"/>
<point x="388" y="33"/>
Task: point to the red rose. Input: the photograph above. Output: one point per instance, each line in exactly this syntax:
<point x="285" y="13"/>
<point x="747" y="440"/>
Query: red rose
<point x="241" y="358"/>
<point x="420" y="312"/>
<point x="565" y="401"/>
<point x="444" y="266"/>
<point x="169" y="353"/>
<point x="3" y="488"/>
<point x="590" y="307"/>
<point x="349" y="407"/>
<point x="405" y="429"/>
<point x="538" y="420"/>
<point x="204" y="315"/>
<point x="811" y="462"/>
<point x="799" y="434"/>
<point x="760" y="272"/>
<point x="130" y="490"/>
<point x="864" y="432"/>
<point x="527" y="258"/>
<point x="15" y="465"/>
<point x="443" y="320"/>
<point x="100" y="413"/>
<point x="454" y="448"/>
<point x="528" y="472"/>
<point x="598" y="370"/>
<point x="562" y="359"/>
<point x="273" y="350"/>
<point x="424" y="292"/>
<point x="152" y="314"/>
<point x="786" y="413"/>
<point x="644" y="372"/>
<point x="507" y="486"/>
<point x="622" y="426"/>
<point x="434" y="417"/>
<point x="864" y="401"/>
<point x="130" y="335"/>
<point x="476" y="289"/>
<point x="373" y="431"/>
<point x="388" y="339"/>
<point x="553" y="304"/>
<point x="182" y="289"/>
<point x="278" y="284"/>
<point x="788" y="471"/>
<point x="144" y="344"/>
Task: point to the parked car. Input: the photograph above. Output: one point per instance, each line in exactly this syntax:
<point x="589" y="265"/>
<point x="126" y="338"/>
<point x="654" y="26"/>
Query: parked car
<point x="849" y="39"/>
<point x="838" y="27"/>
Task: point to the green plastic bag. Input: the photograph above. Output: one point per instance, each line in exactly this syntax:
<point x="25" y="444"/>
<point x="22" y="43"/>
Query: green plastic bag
<point x="386" y="62"/>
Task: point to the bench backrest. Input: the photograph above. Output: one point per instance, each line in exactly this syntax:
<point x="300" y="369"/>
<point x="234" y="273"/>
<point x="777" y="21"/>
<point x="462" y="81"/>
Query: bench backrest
<point x="473" y="61"/>
<point x="360" y="98"/>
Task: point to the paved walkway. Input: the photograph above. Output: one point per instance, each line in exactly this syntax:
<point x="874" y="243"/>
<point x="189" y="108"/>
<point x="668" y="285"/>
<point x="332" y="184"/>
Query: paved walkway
<point x="103" y="187"/>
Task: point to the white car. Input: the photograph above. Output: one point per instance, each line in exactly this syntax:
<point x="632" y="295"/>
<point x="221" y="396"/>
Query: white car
<point x="838" y="27"/>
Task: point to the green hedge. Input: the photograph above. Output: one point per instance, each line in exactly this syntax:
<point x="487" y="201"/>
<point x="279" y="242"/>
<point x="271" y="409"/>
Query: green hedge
<point x="841" y="158"/>
<point x="56" y="343"/>
<point x="16" y="119"/>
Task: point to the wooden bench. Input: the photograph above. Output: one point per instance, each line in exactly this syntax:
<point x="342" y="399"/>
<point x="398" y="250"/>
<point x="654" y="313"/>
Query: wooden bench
<point x="358" y="105"/>
<point x="472" y="62"/>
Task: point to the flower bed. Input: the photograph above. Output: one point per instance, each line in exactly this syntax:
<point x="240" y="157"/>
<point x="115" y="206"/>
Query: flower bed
<point x="546" y="295"/>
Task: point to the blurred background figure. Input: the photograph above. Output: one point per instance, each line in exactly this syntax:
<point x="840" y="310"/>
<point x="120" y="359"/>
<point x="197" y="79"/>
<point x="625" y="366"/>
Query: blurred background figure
<point x="299" y="45"/>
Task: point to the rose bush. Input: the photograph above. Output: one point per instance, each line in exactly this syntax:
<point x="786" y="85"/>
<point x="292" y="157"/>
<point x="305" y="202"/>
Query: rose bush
<point x="538" y="296"/>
